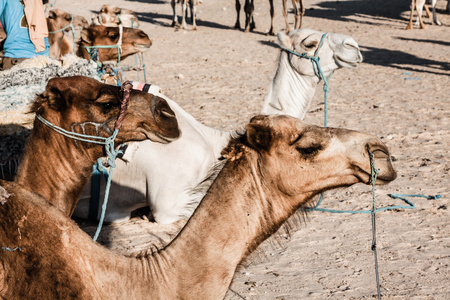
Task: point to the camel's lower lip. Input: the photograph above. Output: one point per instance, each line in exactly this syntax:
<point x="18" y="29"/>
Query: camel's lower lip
<point x="142" y="47"/>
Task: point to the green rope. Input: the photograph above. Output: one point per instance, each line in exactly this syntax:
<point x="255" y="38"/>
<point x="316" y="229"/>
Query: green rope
<point x="73" y="33"/>
<point x="111" y="155"/>
<point x="373" y="178"/>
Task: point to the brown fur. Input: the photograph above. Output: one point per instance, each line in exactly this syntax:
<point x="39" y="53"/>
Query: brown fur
<point x="133" y="41"/>
<point x="61" y="43"/>
<point x="280" y="163"/>
<point x="58" y="167"/>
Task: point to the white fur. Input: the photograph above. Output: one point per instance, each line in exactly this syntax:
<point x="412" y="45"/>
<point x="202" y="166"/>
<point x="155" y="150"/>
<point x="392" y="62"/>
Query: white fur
<point x="166" y="176"/>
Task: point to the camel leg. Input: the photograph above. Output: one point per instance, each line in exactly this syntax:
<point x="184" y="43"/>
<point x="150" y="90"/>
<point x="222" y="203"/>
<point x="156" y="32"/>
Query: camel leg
<point x="272" y="14"/>
<point x="298" y="12"/>
<point x="252" y="21"/>
<point x="237" y="25"/>
<point x="248" y="8"/>
<point x="193" y="5"/>
<point x="419" y="7"/>
<point x="413" y="7"/>
<point x="174" y="21"/>
<point x="302" y="13"/>
<point x="435" y="19"/>
<point x="285" y="14"/>
<point x="183" y="14"/>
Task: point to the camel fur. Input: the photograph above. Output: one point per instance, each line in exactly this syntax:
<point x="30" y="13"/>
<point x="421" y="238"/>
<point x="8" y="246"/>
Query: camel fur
<point x="170" y="178"/>
<point x="279" y="164"/>
<point x="58" y="167"/>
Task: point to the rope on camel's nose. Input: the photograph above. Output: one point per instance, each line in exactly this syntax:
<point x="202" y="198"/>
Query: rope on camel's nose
<point x="112" y="153"/>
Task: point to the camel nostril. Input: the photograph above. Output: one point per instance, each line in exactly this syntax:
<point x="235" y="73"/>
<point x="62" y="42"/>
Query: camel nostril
<point x="167" y="113"/>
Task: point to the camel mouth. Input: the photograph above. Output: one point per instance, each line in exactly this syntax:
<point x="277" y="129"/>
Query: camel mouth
<point x="158" y="137"/>
<point x="348" y="62"/>
<point x="142" y="47"/>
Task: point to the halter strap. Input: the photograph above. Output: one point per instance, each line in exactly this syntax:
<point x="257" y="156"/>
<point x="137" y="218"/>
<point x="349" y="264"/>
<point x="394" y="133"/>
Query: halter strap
<point x="315" y="60"/>
<point x="118" y="46"/>
<point x="73" y="32"/>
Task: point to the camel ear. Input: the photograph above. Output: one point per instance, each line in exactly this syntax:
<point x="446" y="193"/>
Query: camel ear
<point x="53" y="96"/>
<point x="285" y="41"/>
<point x="86" y="36"/>
<point x="117" y="10"/>
<point x="51" y="15"/>
<point x="259" y="136"/>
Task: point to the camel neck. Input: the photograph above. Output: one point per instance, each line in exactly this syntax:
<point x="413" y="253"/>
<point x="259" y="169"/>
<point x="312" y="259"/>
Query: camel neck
<point x="56" y="167"/>
<point x="230" y="222"/>
<point x="217" y="139"/>
<point x="290" y="92"/>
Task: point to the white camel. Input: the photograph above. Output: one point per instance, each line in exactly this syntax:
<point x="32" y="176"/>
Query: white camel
<point x="193" y="9"/>
<point x="167" y="177"/>
<point x="419" y="5"/>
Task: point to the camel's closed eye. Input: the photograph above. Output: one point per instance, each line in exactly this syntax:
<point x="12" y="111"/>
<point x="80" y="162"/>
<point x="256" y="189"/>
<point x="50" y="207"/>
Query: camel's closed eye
<point x="308" y="152"/>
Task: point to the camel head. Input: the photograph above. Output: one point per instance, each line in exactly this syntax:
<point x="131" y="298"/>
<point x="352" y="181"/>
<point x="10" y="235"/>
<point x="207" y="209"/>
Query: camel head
<point x="58" y="19"/>
<point x="109" y="16"/>
<point x="301" y="159"/>
<point x="87" y="106"/>
<point x="133" y="41"/>
<point x="337" y="50"/>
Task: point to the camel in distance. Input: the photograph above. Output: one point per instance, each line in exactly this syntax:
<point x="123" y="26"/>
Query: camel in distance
<point x="249" y="8"/>
<point x="113" y="16"/>
<point x="270" y="171"/>
<point x="171" y="178"/>
<point x="130" y="41"/>
<point x="58" y="167"/>
<point x="62" y="40"/>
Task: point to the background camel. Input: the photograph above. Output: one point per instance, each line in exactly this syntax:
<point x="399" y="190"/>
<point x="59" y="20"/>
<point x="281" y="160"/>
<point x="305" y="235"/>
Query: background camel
<point x="58" y="167"/>
<point x="167" y="177"/>
<point x="249" y="8"/>
<point x="62" y="41"/>
<point x="130" y="42"/>
<point x="419" y="5"/>
<point x="111" y="16"/>
<point x="276" y="167"/>
<point x="184" y="6"/>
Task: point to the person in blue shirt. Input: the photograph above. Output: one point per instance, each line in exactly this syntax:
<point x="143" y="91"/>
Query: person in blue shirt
<point x="17" y="45"/>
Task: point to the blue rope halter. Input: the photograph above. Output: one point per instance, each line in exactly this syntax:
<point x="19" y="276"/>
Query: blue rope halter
<point x="107" y="142"/>
<point x="93" y="50"/>
<point x="73" y="32"/>
<point x="315" y="60"/>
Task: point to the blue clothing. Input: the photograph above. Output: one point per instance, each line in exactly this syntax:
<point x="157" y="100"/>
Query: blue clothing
<point x="17" y="43"/>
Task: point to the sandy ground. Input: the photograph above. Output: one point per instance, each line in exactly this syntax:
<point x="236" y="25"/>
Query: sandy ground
<point x="400" y="93"/>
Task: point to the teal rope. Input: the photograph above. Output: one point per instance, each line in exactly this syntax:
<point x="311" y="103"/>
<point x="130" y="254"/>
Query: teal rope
<point x="73" y="33"/>
<point x="315" y="60"/>
<point x="373" y="178"/>
<point x="111" y="155"/>
<point x="12" y="250"/>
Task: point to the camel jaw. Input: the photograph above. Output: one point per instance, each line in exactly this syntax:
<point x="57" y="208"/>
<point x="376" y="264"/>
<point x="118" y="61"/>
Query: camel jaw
<point x="155" y="136"/>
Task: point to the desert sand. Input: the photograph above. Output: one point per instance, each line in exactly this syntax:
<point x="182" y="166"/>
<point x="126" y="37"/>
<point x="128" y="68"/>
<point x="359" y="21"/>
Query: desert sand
<point x="399" y="93"/>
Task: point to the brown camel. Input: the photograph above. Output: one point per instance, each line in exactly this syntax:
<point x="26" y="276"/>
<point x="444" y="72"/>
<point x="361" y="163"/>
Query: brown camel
<point x="60" y="39"/>
<point x="58" y="167"/>
<point x="249" y="7"/>
<point x="276" y="167"/>
<point x="130" y="42"/>
<point x="111" y="15"/>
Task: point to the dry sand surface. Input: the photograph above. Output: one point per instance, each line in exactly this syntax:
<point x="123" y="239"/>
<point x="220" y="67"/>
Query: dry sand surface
<point x="400" y="93"/>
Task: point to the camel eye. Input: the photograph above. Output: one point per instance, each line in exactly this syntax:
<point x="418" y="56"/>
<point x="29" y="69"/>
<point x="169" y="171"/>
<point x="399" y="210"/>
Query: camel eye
<point x="107" y="106"/>
<point x="311" y="45"/>
<point x="308" y="151"/>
